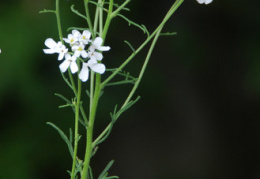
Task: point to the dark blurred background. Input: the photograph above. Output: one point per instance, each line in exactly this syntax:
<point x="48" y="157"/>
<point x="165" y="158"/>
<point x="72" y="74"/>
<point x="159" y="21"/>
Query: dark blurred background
<point x="198" y="116"/>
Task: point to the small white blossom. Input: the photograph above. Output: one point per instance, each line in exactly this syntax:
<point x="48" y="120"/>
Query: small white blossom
<point x="94" y="66"/>
<point x="0" y="50"/>
<point x="55" y="47"/>
<point x="70" y="61"/>
<point x="79" y="50"/>
<point x="96" y="45"/>
<point x="95" y="55"/>
<point x="204" y="1"/>
<point x="85" y="37"/>
<point x="73" y="37"/>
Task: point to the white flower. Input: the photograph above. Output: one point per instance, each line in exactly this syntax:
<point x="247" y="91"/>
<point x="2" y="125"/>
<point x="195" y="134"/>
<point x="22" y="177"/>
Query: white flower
<point x="204" y="1"/>
<point x="94" y="66"/>
<point x="73" y="37"/>
<point x="96" y="45"/>
<point x="55" y="47"/>
<point x="0" y="50"/>
<point x="95" y="55"/>
<point x="79" y="50"/>
<point x="70" y="61"/>
<point x="85" y="37"/>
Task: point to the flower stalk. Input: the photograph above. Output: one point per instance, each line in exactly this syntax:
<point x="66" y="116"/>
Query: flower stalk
<point x="87" y="53"/>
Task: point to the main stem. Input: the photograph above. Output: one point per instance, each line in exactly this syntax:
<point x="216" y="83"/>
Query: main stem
<point x="90" y="129"/>
<point x="98" y="88"/>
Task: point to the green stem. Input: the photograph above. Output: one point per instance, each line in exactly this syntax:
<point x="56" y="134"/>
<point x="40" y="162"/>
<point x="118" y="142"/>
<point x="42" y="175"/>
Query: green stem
<point x="88" y="17"/>
<point x="76" y="133"/>
<point x="90" y="128"/>
<point x="58" y="20"/>
<point x="94" y="105"/>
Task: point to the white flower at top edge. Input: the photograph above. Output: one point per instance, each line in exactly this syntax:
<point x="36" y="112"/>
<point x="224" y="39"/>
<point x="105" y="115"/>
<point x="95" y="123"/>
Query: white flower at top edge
<point x="79" y="50"/>
<point x="70" y="61"/>
<point x="96" y="45"/>
<point x="55" y="47"/>
<point x="85" y="37"/>
<point x="94" y="66"/>
<point x="73" y="37"/>
<point x="204" y="1"/>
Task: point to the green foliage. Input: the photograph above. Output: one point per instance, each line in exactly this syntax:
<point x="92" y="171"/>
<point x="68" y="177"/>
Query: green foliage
<point x="78" y="13"/>
<point x="64" y="137"/>
<point x="104" y="173"/>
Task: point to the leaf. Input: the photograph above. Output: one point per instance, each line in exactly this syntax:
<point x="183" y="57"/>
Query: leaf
<point x="123" y="73"/>
<point x="90" y="173"/>
<point x="142" y="27"/>
<point x="121" y="82"/>
<point x="63" y="136"/>
<point x="101" y="176"/>
<point x="77" y="28"/>
<point x="62" y="97"/>
<point x="78" y="13"/>
<point x="168" y="33"/>
<point x="47" y="11"/>
<point x="131" y="47"/>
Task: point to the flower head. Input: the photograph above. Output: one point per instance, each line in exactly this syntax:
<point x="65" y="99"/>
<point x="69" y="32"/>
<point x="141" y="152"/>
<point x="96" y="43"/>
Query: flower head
<point x="73" y="37"/>
<point x="94" y="66"/>
<point x="85" y="37"/>
<point x="204" y="1"/>
<point x="70" y="61"/>
<point x="79" y="50"/>
<point x="55" y="47"/>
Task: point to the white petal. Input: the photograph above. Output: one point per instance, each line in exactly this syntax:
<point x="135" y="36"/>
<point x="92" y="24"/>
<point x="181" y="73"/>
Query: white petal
<point x="86" y="33"/>
<point x="208" y="1"/>
<point x="98" y="41"/>
<point x="50" y="43"/>
<point x="67" y="56"/>
<point x="75" y="33"/>
<point x="98" y="55"/>
<point x="74" y="67"/>
<point x="84" y="54"/>
<point x="49" y="51"/>
<point x="77" y="53"/>
<point x="64" y="66"/>
<point x="98" y="67"/>
<point x="103" y="48"/>
<point x="200" y="1"/>
<point x="61" y="56"/>
<point x="83" y="75"/>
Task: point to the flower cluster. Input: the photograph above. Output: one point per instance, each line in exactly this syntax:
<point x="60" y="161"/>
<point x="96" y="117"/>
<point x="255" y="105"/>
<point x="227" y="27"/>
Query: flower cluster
<point x="204" y="1"/>
<point x="91" y="56"/>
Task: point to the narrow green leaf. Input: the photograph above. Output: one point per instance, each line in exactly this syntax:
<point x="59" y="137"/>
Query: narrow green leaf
<point x="123" y="73"/>
<point x="106" y="169"/>
<point x="63" y="136"/>
<point x="126" y="107"/>
<point x="78" y="13"/>
<point x="77" y="28"/>
<point x="112" y="177"/>
<point x="131" y="47"/>
<point x="120" y="83"/>
<point x="90" y="173"/>
<point x="142" y="27"/>
<point x="168" y="33"/>
<point x="47" y="11"/>
<point x="62" y="97"/>
<point x="67" y="81"/>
